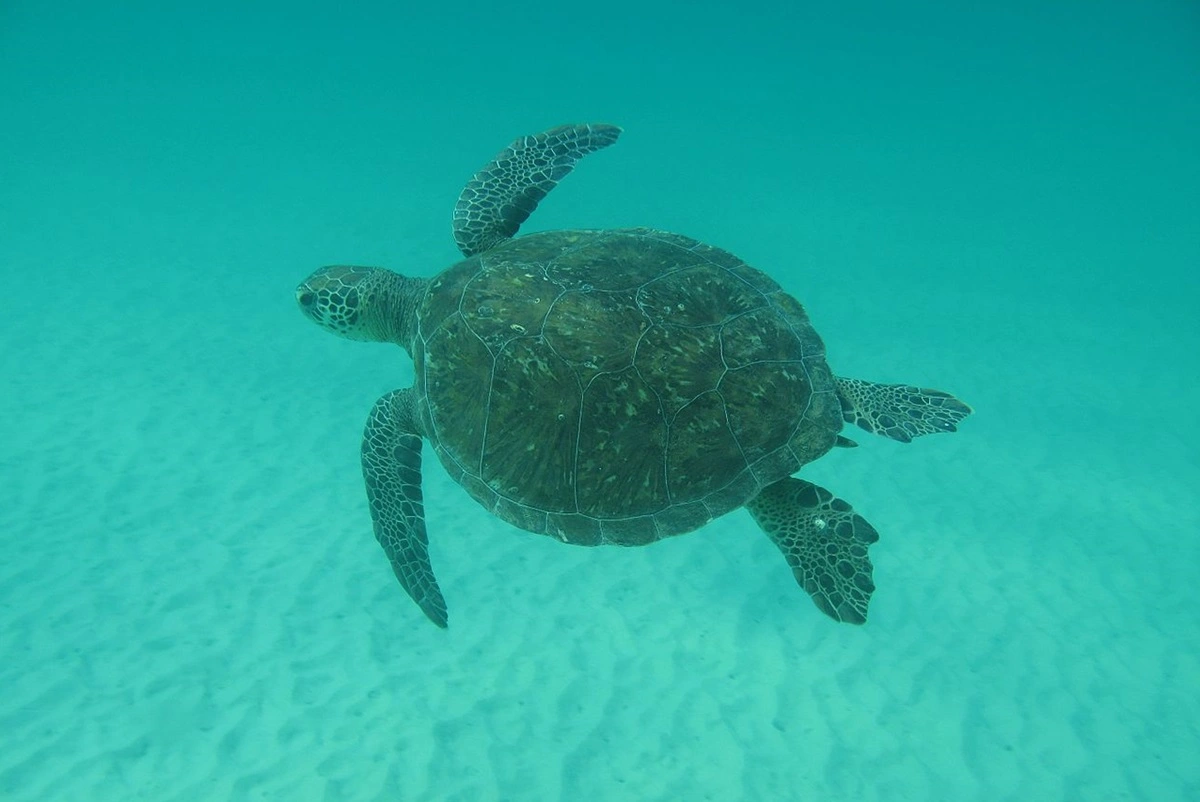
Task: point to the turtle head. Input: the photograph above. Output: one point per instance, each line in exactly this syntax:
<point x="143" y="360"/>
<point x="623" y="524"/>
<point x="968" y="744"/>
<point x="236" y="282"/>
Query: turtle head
<point x="361" y="303"/>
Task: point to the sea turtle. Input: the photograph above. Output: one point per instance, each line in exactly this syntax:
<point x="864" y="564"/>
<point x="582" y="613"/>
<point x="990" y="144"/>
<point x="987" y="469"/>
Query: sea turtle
<point x="608" y="387"/>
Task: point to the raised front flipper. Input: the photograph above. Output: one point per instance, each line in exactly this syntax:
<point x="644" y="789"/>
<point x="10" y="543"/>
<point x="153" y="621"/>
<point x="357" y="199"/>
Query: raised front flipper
<point x="899" y="411"/>
<point x="391" y="464"/>
<point x="824" y="541"/>
<point x="503" y="194"/>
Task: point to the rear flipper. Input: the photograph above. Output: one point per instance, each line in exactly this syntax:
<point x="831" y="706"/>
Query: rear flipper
<point x="899" y="411"/>
<point x="824" y="542"/>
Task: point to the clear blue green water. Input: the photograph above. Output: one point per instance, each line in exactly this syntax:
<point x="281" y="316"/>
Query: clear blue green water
<point x="1003" y="202"/>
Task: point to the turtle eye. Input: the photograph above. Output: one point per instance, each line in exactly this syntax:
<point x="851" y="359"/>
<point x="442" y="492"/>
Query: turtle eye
<point x="306" y="299"/>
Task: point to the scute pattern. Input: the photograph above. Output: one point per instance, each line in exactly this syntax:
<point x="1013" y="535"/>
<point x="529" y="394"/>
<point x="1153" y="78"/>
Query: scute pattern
<point x="453" y="376"/>
<point x="684" y="363"/>
<point x="697" y="296"/>
<point x="580" y="324"/>
<point x="622" y="425"/>
<point x="759" y="395"/>
<point x="758" y="336"/>
<point x="531" y="437"/>
<point x="702" y="454"/>
<point x="618" y="386"/>
<point x="506" y="299"/>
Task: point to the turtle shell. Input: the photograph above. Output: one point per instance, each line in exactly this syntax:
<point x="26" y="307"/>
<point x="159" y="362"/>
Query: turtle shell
<point x="618" y="386"/>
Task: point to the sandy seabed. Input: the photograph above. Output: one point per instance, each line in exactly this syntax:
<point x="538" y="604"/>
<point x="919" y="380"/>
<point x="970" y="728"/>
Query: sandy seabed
<point x="193" y="608"/>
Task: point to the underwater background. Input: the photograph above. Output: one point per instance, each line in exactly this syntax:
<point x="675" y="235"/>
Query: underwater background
<point x="1000" y="200"/>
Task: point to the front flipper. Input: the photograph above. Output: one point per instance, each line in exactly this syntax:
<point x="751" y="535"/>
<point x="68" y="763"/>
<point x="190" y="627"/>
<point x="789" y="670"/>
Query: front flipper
<point x="503" y="194"/>
<point x="899" y="411"/>
<point x="824" y="541"/>
<point x="391" y="464"/>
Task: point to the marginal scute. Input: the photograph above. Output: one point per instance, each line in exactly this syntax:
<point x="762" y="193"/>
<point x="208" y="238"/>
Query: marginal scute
<point x="629" y="531"/>
<point x="789" y="307"/>
<point x="575" y="528"/>
<point x="817" y="430"/>
<point x="755" y="278"/>
<point x="479" y="490"/>
<point x="774" y="464"/>
<point x="520" y="515"/>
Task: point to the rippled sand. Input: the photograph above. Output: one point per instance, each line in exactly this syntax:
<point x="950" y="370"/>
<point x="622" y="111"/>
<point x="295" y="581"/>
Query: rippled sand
<point x="193" y="608"/>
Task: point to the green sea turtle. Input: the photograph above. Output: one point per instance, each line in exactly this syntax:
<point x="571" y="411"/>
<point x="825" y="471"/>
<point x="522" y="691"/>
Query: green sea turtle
<point x="608" y="387"/>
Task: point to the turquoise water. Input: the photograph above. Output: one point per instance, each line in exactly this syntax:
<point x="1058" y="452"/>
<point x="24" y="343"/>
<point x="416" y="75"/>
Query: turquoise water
<point x="1002" y="203"/>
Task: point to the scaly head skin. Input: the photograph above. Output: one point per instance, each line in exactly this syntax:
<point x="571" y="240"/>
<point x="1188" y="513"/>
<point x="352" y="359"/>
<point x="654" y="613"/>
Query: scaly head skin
<point x="363" y="303"/>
